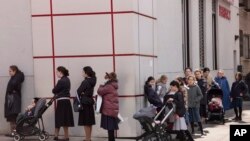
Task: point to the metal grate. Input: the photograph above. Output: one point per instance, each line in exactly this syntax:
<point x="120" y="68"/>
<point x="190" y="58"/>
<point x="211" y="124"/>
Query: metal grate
<point x="201" y="32"/>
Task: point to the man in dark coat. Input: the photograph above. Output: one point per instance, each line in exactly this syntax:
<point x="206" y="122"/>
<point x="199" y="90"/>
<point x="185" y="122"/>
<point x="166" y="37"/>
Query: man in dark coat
<point x="12" y="105"/>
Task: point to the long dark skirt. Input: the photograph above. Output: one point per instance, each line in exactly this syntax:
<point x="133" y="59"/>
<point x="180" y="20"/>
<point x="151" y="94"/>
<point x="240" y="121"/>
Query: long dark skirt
<point x="64" y="114"/>
<point x="11" y="118"/>
<point x="109" y="123"/>
<point x="86" y="116"/>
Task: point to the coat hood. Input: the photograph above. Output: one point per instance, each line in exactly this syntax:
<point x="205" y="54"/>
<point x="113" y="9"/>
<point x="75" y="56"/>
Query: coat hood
<point x="113" y="83"/>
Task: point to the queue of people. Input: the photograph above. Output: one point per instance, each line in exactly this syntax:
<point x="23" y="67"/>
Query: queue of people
<point x="194" y="88"/>
<point x="189" y="94"/>
<point x="63" y="111"/>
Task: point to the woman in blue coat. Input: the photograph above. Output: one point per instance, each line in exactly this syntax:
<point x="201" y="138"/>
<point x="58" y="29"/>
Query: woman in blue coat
<point x="223" y="83"/>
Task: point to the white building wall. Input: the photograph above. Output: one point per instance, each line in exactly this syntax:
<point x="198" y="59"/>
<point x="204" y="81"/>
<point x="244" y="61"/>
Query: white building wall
<point x="208" y="34"/>
<point x="82" y="33"/>
<point x="194" y="33"/>
<point x="169" y="38"/>
<point x="227" y="29"/>
<point x="15" y="49"/>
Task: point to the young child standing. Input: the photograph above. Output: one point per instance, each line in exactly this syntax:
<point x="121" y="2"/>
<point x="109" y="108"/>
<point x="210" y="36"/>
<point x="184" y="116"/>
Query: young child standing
<point x="180" y="110"/>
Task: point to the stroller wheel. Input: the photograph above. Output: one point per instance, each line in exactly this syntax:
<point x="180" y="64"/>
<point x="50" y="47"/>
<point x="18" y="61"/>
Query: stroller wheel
<point x="17" y="137"/>
<point x="42" y="137"/>
<point x="150" y="137"/>
<point x="46" y="134"/>
<point x="166" y="137"/>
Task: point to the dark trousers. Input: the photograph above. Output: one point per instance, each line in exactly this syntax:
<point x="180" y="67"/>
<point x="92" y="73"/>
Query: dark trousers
<point x="111" y="135"/>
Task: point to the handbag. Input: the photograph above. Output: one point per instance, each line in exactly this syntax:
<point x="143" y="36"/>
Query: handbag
<point x="77" y="106"/>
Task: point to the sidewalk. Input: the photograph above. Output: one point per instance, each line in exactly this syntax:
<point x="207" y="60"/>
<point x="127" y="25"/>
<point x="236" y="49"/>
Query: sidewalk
<point x="215" y="132"/>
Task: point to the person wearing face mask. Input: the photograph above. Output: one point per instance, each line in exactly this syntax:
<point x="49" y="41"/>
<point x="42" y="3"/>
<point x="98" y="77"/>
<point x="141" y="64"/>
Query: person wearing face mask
<point x="110" y="104"/>
<point x="150" y="93"/>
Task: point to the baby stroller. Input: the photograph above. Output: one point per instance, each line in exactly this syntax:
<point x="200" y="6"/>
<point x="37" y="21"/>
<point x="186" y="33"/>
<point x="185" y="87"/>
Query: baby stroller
<point x="154" y="130"/>
<point x="33" y="125"/>
<point x="215" y="110"/>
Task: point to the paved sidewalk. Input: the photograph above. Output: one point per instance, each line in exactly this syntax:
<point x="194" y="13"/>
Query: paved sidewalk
<point x="215" y="131"/>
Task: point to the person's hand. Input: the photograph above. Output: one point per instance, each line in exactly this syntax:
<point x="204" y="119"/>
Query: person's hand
<point x="176" y="116"/>
<point x="241" y="94"/>
<point x="231" y="99"/>
<point x="170" y="100"/>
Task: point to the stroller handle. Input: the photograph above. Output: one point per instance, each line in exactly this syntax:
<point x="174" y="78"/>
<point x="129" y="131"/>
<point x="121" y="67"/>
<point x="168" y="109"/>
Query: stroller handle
<point x="162" y="109"/>
<point x="52" y="100"/>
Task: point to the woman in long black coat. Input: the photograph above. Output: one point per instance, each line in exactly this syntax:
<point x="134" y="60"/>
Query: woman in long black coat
<point x="12" y="105"/>
<point x="63" y="114"/>
<point x="86" y="91"/>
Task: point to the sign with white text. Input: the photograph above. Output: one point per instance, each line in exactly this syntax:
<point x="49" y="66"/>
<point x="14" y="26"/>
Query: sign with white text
<point x="239" y="132"/>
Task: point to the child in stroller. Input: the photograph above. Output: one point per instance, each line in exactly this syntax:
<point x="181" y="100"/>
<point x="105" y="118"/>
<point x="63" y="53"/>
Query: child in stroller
<point x="215" y="104"/>
<point x="29" y="111"/>
<point x="215" y="107"/>
<point x="28" y="124"/>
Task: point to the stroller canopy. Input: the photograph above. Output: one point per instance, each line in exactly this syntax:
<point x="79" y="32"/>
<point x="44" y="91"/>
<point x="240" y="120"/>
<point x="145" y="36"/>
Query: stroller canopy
<point x="145" y="112"/>
<point x="39" y="105"/>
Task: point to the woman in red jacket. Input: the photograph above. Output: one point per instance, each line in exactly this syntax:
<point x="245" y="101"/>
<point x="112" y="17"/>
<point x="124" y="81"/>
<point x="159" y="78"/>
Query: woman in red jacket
<point x="110" y="104"/>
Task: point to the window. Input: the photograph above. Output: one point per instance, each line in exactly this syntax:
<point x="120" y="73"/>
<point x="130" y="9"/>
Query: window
<point x="185" y="38"/>
<point x="214" y="34"/>
<point x="246" y="46"/>
<point x="241" y="38"/>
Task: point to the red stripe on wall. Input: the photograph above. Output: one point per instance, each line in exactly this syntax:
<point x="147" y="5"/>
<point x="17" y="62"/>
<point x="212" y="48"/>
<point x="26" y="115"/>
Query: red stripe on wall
<point x="93" y="55"/>
<point x="120" y="96"/>
<point x="94" y="13"/>
<point x="53" y="41"/>
<point x="113" y="34"/>
<point x="53" y="45"/>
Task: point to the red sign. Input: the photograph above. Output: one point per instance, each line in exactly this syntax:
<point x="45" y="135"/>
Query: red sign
<point x="224" y="12"/>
